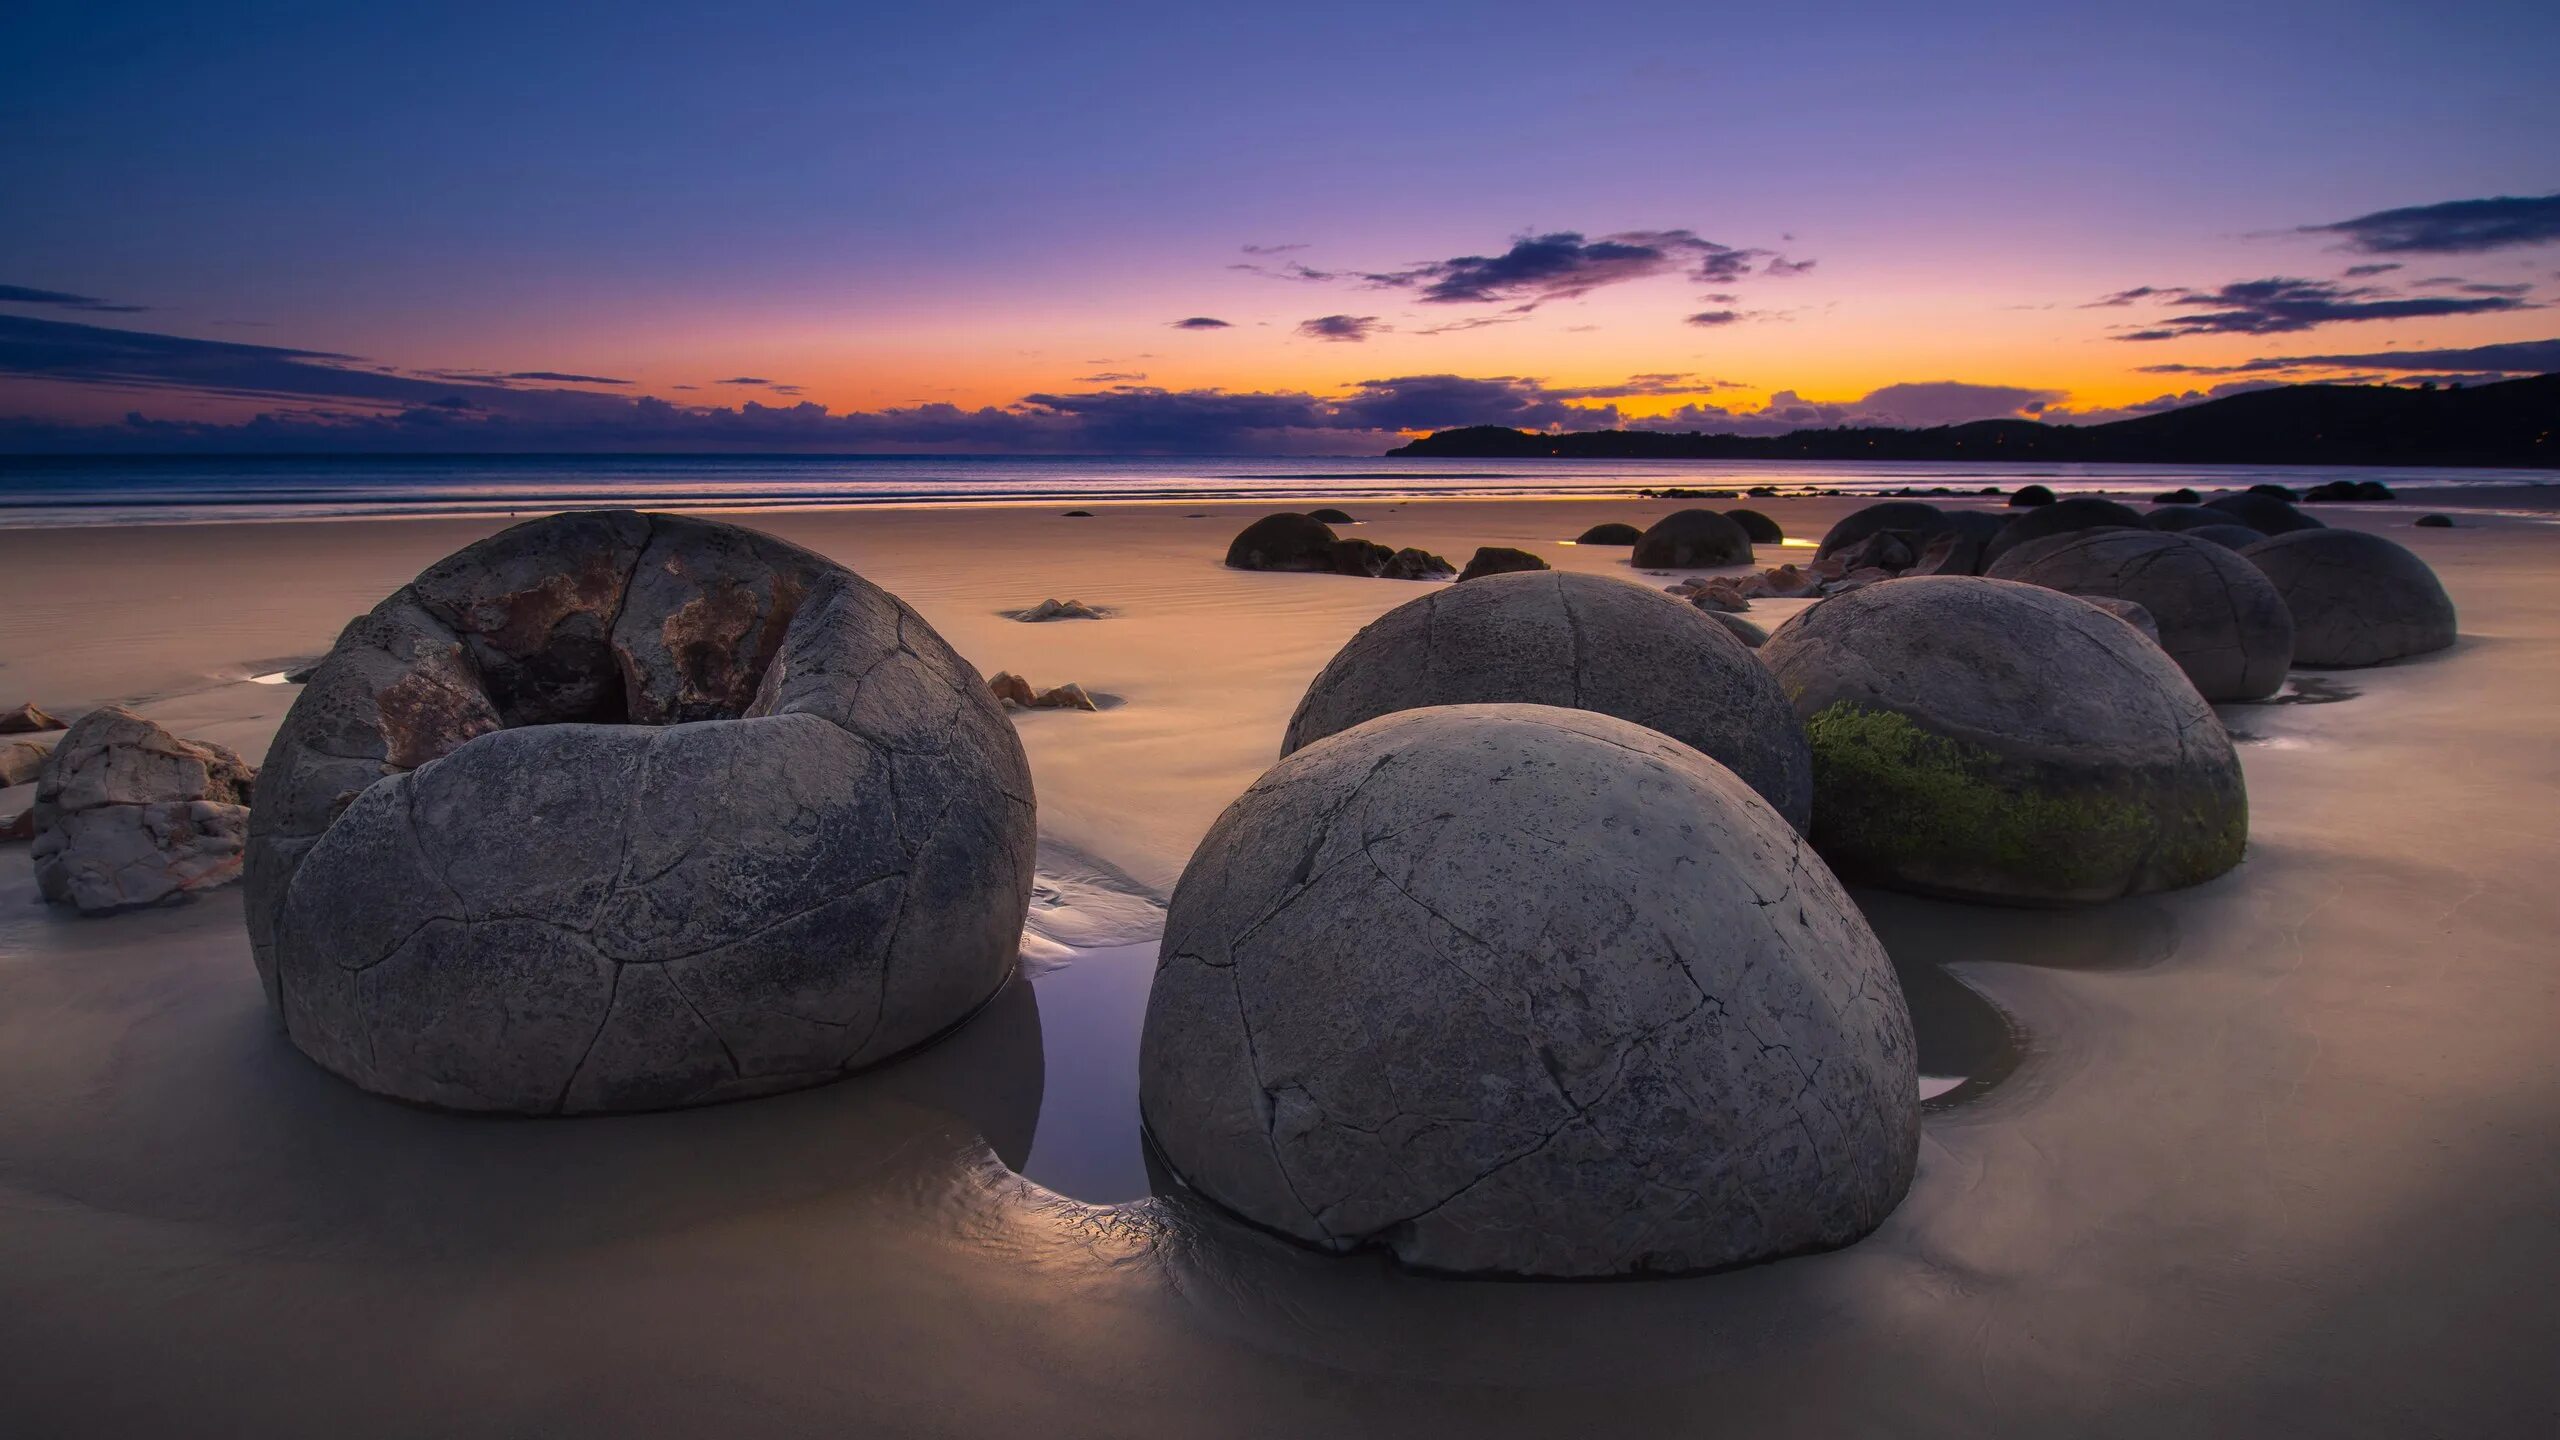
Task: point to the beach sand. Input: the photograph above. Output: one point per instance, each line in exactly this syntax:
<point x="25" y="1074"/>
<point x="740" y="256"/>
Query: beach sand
<point x="2280" y="1154"/>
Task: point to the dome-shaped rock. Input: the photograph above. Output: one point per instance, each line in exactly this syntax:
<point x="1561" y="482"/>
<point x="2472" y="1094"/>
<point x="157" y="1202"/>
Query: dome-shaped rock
<point x="1283" y="541"/>
<point x="1691" y="540"/>
<point x="2356" y="598"/>
<point x="615" y="811"/>
<point x="2229" y="537"/>
<point x="1761" y="529"/>
<point x="1500" y="560"/>
<point x="2030" y="495"/>
<point x="1517" y="990"/>
<point x="1914" y="517"/>
<point x="2062" y="516"/>
<point x="2216" y="615"/>
<point x="1609" y="533"/>
<point x="1988" y="740"/>
<point x="1582" y="641"/>
<point x="2185" y="517"/>
<point x="2265" y="513"/>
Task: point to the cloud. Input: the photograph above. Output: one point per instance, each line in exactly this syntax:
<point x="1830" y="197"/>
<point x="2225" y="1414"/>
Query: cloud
<point x="61" y="350"/>
<point x="743" y="380"/>
<point x="1201" y="322"/>
<point x="2366" y="272"/>
<point x="2456" y="227"/>
<point x="1781" y="268"/>
<point x="2519" y="357"/>
<point x="1917" y="404"/>
<point x="60" y="300"/>
<point x="557" y="378"/>
<point x="1275" y="249"/>
<point x="1439" y="402"/>
<point x="1353" y="328"/>
<point x="1111" y="377"/>
<point x="1661" y="383"/>
<point x="2281" y="305"/>
<point x="2103" y="415"/>
<point x="2126" y="297"/>
<point x="1562" y="264"/>
<point x="1288" y="270"/>
<point x="1716" y="317"/>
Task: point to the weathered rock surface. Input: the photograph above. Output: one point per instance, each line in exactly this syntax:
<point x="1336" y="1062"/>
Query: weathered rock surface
<point x="128" y="815"/>
<point x="2356" y="598"/>
<point x="1691" y="539"/>
<point x="26" y="720"/>
<point x="1761" y="529"/>
<point x="1283" y="541"/>
<point x="2060" y="517"/>
<point x="2268" y="514"/>
<point x="1987" y="740"/>
<point x="2130" y="613"/>
<point x="18" y="827"/>
<point x="616" y="811"/>
<point x="2229" y="537"/>
<point x="1500" y="560"/>
<point x="1586" y="642"/>
<point x="1752" y="636"/>
<point x="2186" y="517"/>
<point x="1610" y="533"/>
<point x="19" y="762"/>
<point x="2215" y="614"/>
<point x="1516" y="990"/>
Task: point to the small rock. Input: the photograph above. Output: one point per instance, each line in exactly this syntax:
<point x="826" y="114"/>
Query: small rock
<point x="129" y="815"/>
<point x="2435" y="522"/>
<point x="1611" y="533"/>
<point x="1069" y="696"/>
<point x="1012" y="689"/>
<point x="2180" y="496"/>
<point x="26" y="720"/>
<point x="1500" y="560"/>
<point x="1075" y="515"/>
<point x="1058" y="610"/>
<point x="19" y="762"/>
<point x="21" y="826"/>
<point x="1412" y="564"/>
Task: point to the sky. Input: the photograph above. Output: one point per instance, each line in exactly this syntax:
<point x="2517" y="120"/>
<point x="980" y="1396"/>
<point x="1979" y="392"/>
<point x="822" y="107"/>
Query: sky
<point x="1303" y="229"/>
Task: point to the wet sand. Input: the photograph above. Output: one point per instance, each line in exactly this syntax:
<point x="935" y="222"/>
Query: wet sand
<point x="2280" y="1154"/>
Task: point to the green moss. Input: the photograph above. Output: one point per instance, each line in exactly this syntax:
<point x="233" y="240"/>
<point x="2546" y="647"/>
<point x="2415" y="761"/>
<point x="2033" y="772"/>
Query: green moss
<point x="1892" y="797"/>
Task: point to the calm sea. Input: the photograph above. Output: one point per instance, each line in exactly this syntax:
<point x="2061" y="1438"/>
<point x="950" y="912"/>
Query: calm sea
<point x="47" y="491"/>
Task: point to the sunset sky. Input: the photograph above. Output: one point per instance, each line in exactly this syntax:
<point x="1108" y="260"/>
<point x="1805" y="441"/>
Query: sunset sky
<point x="1298" y="228"/>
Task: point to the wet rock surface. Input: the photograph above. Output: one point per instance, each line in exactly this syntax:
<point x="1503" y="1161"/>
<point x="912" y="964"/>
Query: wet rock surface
<point x="1586" y="642"/>
<point x="2356" y="598"/>
<point x="1987" y="740"/>
<point x="1518" y="990"/>
<point x="129" y="815"/>
<point x="616" y="811"/>
<point x="2212" y="611"/>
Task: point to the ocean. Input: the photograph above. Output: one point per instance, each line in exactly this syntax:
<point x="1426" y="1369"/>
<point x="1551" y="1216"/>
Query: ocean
<point x="38" y="491"/>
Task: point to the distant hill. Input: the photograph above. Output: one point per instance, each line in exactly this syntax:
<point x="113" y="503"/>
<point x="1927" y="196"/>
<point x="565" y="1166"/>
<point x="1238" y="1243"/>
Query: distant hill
<point x="2512" y="423"/>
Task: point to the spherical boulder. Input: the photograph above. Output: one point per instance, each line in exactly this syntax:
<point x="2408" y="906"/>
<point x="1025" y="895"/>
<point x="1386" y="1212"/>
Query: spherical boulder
<point x="2031" y="495"/>
<point x="1986" y="740"/>
<point x="1691" y="540"/>
<point x="2216" y="615"/>
<point x="2185" y="517"/>
<point x="1610" y="533"/>
<point x="1331" y="516"/>
<point x="1761" y="529"/>
<point x="1507" y="989"/>
<point x="615" y="811"/>
<point x="1585" y="642"/>
<point x="2435" y="522"/>
<point x="2356" y="598"/>
<point x="2081" y="512"/>
<point x="2265" y="513"/>
<point x="2229" y="537"/>
<point x="1915" y="517"/>
<point x="1283" y="541"/>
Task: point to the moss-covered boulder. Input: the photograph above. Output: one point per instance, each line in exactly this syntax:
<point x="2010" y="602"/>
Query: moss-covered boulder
<point x="1987" y="740"/>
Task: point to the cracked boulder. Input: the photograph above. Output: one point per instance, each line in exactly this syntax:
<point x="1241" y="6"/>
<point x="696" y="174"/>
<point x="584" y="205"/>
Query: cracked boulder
<point x="1982" y="739"/>
<point x="616" y="811"/>
<point x="1587" y="642"/>
<point x="129" y="815"/>
<point x="2220" y="619"/>
<point x="2059" y="518"/>
<point x="2356" y="598"/>
<point x="1517" y="990"/>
